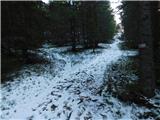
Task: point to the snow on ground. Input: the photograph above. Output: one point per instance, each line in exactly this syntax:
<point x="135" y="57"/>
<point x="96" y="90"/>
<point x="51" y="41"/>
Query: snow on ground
<point x="66" y="88"/>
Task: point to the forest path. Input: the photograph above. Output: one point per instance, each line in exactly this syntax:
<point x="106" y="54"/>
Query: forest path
<point x="67" y="88"/>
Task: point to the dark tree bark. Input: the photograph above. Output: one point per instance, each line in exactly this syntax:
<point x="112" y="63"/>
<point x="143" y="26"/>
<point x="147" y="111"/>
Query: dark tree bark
<point x="156" y="33"/>
<point x="73" y="36"/>
<point x="147" y="78"/>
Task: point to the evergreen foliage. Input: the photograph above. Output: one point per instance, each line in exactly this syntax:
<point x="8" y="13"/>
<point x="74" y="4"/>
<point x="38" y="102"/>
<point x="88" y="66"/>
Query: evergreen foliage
<point x="26" y="25"/>
<point x="131" y="23"/>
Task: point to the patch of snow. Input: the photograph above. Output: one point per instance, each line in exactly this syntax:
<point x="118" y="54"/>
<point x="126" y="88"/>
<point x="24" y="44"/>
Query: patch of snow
<point x="66" y="89"/>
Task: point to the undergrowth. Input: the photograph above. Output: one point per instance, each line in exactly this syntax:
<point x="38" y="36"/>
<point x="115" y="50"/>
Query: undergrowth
<point x="122" y="83"/>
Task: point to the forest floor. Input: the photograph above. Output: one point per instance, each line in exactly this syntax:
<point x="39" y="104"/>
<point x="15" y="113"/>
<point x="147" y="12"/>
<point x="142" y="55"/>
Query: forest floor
<point x="68" y="87"/>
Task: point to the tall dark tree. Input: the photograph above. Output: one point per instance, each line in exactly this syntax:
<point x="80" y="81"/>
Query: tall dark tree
<point x="142" y="31"/>
<point x="130" y="22"/>
<point x="147" y="77"/>
<point x="155" y="7"/>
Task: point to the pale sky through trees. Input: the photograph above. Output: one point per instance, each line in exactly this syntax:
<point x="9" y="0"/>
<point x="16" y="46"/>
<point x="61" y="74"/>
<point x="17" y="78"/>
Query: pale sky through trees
<point x="114" y="5"/>
<point x="46" y="1"/>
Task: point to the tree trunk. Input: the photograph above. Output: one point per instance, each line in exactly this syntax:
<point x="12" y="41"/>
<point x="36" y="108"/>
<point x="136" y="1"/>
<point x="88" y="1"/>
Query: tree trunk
<point x="156" y="34"/>
<point x="73" y="36"/>
<point x="147" y="78"/>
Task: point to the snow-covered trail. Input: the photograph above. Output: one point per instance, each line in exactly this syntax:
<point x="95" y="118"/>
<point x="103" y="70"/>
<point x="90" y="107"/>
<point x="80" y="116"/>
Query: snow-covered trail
<point x="66" y="89"/>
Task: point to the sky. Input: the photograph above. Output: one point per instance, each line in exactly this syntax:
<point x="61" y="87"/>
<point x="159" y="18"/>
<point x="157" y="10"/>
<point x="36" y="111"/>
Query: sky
<point x="46" y="1"/>
<point x="114" y="4"/>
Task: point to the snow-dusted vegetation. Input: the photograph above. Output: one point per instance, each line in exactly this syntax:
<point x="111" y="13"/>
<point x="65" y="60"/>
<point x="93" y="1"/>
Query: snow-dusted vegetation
<point x="67" y="87"/>
<point x="80" y="60"/>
